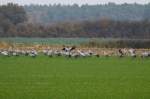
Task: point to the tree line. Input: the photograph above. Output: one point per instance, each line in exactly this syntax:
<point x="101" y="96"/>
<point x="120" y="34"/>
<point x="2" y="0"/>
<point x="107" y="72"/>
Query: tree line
<point x="10" y="16"/>
<point x="14" y="23"/>
<point x="48" y="14"/>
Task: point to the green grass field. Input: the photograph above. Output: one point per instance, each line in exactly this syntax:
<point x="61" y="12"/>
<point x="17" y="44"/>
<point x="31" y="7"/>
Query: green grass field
<point x="84" y="78"/>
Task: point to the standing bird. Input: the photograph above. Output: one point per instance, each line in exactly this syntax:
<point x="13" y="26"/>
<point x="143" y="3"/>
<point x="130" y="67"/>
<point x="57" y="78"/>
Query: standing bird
<point x="33" y="53"/>
<point x="121" y="54"/>
<point x="68" y="50"/>
<point x="49" y="53"/>
<point x="145" y="54"/>
<point x="132" y="52"/>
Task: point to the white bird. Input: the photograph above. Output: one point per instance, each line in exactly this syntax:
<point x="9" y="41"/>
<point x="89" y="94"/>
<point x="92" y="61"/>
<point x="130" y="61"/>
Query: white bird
<point x="146" y="54"/>
<point x="132" y="52"/>
<point x="45" y="52"/>
<point x="33" y="53"/>
<point x="81" y="53"/>
<point x="49" y="53"/>
<point x="5" y="53"/>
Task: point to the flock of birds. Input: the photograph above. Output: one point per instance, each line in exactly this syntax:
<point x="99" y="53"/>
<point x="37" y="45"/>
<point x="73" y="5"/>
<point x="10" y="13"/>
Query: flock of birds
<point x="132" y="53"/>
<point x="67" y="52"/>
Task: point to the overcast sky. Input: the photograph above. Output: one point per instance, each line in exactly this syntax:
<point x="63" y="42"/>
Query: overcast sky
<point x="80" y="2"/>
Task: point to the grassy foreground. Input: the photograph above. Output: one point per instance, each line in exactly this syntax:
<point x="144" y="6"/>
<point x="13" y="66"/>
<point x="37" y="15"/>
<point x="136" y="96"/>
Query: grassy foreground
<point x="85" y="78"/>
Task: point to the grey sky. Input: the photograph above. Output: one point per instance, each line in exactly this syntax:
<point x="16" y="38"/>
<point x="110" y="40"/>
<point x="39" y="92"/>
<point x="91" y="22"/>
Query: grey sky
<point x="80" y="2"/>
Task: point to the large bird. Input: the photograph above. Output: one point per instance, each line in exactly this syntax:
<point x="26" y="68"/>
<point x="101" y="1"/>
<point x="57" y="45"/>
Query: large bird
<point x="69" y="49"/>
<point x="120" y="53"/>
